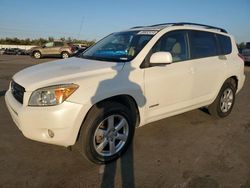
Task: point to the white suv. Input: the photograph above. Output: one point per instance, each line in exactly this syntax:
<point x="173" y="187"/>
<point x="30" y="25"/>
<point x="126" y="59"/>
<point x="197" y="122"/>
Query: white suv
<point x="126" y="80"/>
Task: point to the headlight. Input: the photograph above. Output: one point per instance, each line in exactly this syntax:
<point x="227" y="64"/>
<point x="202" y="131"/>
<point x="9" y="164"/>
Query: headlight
<point x="53" y="95"/>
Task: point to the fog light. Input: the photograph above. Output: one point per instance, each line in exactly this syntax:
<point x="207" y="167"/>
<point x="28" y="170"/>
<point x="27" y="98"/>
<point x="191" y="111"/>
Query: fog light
<point x="51" y="133"/>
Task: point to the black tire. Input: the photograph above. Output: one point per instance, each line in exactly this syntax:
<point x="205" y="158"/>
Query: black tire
<point x="37" y="54"/>
<point x="98" y="113"/>
<point x="215" y="109"/>
<point x="65" y="55"/>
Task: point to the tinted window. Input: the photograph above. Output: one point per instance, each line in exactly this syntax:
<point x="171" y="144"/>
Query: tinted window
<point x="58" y="44"/>
<point x="175" y="43"/>
<point x="225" y="44"/>
<point x="203" y="44"/>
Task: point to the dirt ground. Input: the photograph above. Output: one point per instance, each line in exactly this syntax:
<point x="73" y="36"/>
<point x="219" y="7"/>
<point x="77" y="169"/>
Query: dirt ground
<point x="191" y="150"/>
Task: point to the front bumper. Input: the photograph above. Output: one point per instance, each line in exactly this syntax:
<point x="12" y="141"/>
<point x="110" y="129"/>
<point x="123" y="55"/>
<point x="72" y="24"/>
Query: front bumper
<point x="64" y="120"/>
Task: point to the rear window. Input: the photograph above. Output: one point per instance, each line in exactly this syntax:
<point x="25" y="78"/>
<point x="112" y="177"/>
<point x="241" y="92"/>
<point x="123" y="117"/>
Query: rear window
<point x="203" y="44"/>
<point x="58" y="43"/>
<point x="225" y="44"/>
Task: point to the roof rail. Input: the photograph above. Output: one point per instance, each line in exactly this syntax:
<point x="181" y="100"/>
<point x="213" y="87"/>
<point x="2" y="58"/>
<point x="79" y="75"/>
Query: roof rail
<point x="137" y="27"/>
<point x="202" y="25"/>
<point x="152" y="25"/>
<point x="185" y="23"/>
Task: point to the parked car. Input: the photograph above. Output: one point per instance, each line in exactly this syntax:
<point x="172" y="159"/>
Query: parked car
<point x="53" y="49"/>
<point x="2" y="50"/>
<point x="11" y="51"/>
<point x="79" y="51"/>
<point x="21" y="52"/>
<point x="126" y="80"/>
<point x="246" y="52"/>
<point x="80" y="46"/>
<point x="14" y="51"/>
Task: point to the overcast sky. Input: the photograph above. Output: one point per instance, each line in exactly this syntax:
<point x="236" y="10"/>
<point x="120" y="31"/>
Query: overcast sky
<point x="94" y="19"/>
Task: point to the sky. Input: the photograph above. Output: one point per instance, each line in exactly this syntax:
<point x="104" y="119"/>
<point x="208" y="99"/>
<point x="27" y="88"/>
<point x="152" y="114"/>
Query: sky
<point x="93" y="19"/>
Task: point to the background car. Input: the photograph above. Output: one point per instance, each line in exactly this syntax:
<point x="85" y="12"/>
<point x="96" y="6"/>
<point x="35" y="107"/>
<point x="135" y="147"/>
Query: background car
<point x="246" y="52"/>
<point x="13" y="51"/>
<point x="2" y="50"/>
<point x="53" y="49"/>
<point x="79" y="52"/>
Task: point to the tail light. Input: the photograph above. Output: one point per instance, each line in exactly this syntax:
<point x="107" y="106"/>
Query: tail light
<point x="241" y="56"/>
<point x="72" y="49"/>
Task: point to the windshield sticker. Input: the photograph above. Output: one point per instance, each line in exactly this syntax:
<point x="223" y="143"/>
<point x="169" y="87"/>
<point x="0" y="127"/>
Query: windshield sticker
<point x="147" y="33"/>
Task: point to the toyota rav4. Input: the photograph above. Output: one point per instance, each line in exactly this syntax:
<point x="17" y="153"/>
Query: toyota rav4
<point x="126" y="80"/>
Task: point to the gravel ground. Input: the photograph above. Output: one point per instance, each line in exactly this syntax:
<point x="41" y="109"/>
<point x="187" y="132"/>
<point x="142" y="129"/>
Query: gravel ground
<point x="191" y="150"/>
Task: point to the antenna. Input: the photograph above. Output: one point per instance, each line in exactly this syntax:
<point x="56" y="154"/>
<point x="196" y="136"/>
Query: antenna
<point x="81" y="24"/>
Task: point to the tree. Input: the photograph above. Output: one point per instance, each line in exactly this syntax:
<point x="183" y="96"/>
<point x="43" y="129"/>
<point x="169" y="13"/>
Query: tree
<point x="62" y="39"/>
<point x="51" y="39"/>
<point x="242" y="45"/>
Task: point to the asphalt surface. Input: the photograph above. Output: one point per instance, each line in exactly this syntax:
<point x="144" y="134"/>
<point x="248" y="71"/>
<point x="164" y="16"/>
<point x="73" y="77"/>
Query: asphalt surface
<point x="190" y="150"/>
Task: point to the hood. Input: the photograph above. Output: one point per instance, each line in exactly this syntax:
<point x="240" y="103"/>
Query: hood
<point x="63" y="71"/>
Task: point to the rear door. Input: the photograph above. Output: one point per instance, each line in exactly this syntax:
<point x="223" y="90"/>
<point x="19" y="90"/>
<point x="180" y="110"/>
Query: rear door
<point x="56" y="50"/>
<point x="208" y="66"/>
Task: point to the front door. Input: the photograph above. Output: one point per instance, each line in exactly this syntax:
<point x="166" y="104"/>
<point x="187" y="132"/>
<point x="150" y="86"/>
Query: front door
<point x="48" y="48"/>
<point x="169" y="87"/>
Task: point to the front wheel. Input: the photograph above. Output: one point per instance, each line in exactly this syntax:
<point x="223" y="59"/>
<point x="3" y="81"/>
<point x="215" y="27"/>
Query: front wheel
<point x="106" y="132"/>
<point x="224" y="102"/>
<point x="37" y="55"/>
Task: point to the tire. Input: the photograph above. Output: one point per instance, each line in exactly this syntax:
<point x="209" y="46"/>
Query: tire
<point x="65" y="55"/>
<point x="37" y="55"/>
<point x="224" y="102"/>
<point x="97" y="131"/>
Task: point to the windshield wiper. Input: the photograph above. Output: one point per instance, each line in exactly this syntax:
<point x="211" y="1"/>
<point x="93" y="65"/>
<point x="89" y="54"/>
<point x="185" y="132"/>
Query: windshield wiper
<point x="104" y="59"/>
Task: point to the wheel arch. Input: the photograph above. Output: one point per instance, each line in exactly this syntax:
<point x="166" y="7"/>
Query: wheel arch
<point x="233" y="79"/>
<point x="36" y="51"/>
<point x="126" y="100"/>
<point x="64" y="51"/>
<point x="214" y="108"/>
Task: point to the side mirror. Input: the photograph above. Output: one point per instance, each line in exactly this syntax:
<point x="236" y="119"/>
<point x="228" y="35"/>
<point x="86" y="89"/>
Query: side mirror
<point x="161" y="58"/>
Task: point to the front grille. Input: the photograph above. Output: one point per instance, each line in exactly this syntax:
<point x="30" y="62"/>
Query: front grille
<point x="17" y="91"/>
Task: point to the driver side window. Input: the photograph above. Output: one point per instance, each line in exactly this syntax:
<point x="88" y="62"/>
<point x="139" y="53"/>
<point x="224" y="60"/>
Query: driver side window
<point x="175" y="43"/>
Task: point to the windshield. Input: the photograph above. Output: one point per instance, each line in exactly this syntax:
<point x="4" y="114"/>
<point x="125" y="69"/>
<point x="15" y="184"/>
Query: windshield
<point x="119" y="47"/>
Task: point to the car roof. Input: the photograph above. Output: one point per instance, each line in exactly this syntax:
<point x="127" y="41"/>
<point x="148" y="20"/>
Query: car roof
<point x="158" y="27"/>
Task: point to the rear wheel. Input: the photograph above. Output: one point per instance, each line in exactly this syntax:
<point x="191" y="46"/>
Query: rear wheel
<point x="224" y="102"/>
<point x="65" y="55"/>
<point x="106" y="132"/>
